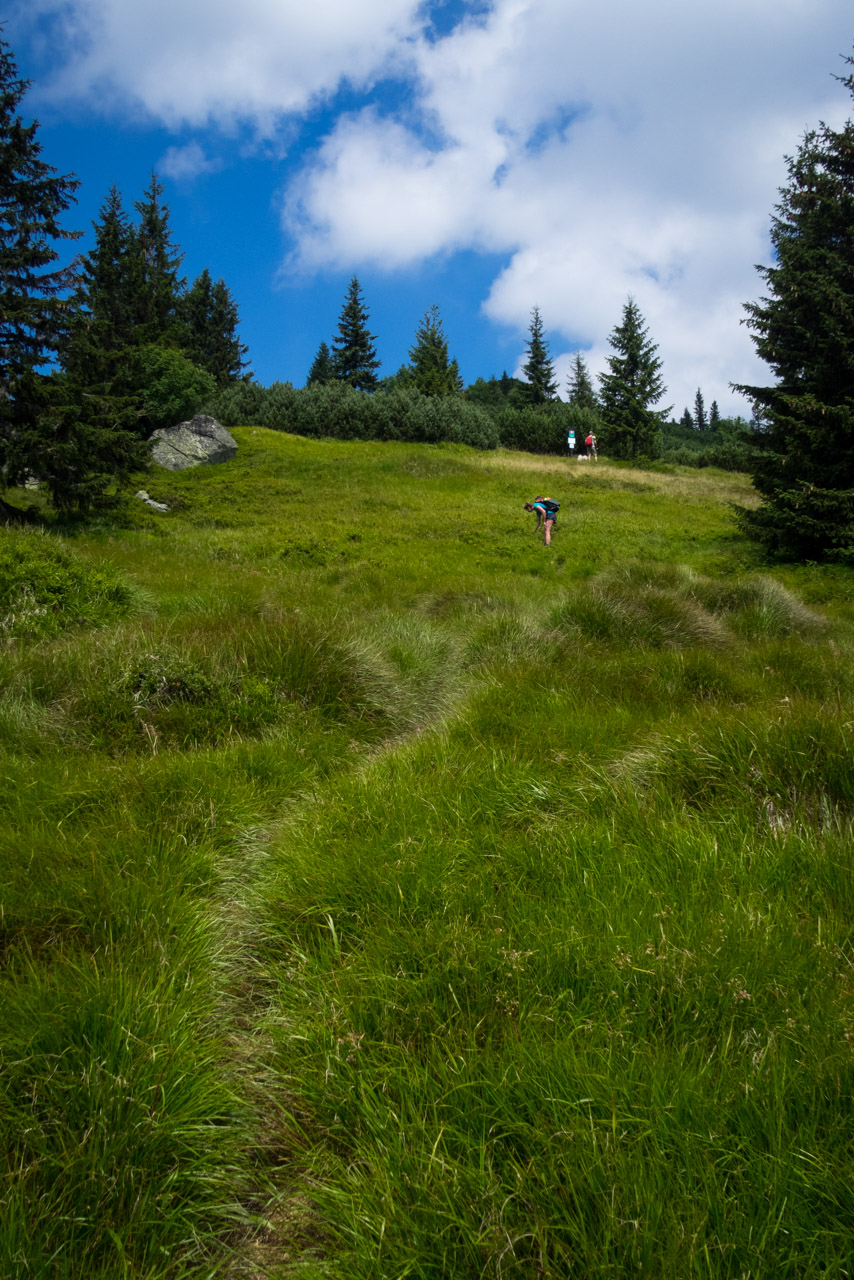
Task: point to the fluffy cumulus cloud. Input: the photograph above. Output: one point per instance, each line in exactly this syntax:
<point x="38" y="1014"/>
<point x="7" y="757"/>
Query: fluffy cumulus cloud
<point x="606" y="151"/>
<point x="203" y="61"/>
<point x="603" y="150"/>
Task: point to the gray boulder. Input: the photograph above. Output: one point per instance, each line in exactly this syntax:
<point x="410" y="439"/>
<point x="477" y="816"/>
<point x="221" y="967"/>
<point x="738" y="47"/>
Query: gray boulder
<point x="192" y="444"/>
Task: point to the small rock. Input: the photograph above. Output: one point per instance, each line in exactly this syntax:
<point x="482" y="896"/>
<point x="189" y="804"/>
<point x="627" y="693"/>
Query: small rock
<point x="149" y="502"/>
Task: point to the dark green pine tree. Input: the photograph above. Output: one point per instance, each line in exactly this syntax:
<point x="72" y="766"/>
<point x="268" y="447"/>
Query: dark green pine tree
<point x="686" y="420"/>
<point x="99" y="358"/>
<point x="700" y="421"/>
<point x="156" y="264"/>
<point x="102" y="330"/>
<point x="538" y="368"/>
<point x="714" y="416"/>
<point x="33" y="310"/>
<point x="433" y="374"/>
<point x="631" y="386"/>
<point x="209" y="322"/>
<point x="354" y="354"/>
<point x="580" y="390"/>
<point x="322" y="368"/>
<point x="43" y="432"/>
<point x="804" y="329"/>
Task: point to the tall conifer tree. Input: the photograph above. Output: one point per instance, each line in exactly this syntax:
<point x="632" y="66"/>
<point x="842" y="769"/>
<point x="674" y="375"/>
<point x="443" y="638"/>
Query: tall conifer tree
<point x="95" y="356"/>
<point x="580" y="389"/>
<point x="209" y="329"/>
<point x="354" y="353"/>
<point x="158" y="284"/>
<point x="631" y="386"/>
<point x="33" y="311"/>
<point x="322" y="368"/>
<point x="700" y="421"/>
<point x="43" y="433"/>
<point x="538" y="368"/>
<point x="804" y="330"/>
<point x="433" y="374"/>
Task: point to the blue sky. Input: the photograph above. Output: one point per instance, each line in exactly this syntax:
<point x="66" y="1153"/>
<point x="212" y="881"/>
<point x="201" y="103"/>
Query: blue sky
<point x="486" y="157"/>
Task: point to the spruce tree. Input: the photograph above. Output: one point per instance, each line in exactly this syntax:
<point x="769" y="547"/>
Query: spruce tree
<point x="33" y="311"/>
<point x="99" y="358"/>
<point x="700" y="421"/>
<point x="714" y="416"/>
<point x="433" y="374"/>
<point x="322" y="368"/>
<point x="156" y="265"/>
<point x="804" y="329"/>
<point x="631" y="386"/>
<point x="43" y="433"/>
<point x="354" y="355"/>
<point x="538" y="368"/>
<point x="209" y="330"/>
<point x="686" y="420"/>
<point x="95" y="356"/>
<point x="580" y="389"/>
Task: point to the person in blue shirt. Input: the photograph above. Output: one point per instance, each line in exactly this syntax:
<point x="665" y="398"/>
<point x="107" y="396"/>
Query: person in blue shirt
<point x="545" y="509"/>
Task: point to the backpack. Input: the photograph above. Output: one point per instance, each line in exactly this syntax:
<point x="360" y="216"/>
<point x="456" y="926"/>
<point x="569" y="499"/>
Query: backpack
<point x="552" y="508"/>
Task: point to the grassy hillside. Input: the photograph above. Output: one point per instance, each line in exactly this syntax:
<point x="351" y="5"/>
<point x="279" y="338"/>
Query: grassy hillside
<point x="388" y="895"/>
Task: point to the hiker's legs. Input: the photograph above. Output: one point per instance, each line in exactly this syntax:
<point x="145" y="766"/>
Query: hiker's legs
<point x="547" y="532"/>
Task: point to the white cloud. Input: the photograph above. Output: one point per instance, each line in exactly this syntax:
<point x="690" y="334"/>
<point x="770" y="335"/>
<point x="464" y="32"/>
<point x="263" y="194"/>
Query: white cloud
<point x="202" y="61"/>
<point x="619" y="150"/>
<point x="603" y="149"/>
<point x="186" y="163"/>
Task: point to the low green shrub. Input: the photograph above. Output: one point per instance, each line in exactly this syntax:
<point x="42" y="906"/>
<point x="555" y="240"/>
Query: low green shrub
<point x="335" y="410"/>
<point x="241" y="404"/>
<point x="726" y="455"/>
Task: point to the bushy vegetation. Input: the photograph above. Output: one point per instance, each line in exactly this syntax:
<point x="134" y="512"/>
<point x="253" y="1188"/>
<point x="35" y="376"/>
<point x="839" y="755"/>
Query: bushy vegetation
<point x="401" y="412"/>
<point x="384" y="894"/>
<point x="172" y="386"/>
<point x="339" y="411"/>
<point x="728" y="444"/>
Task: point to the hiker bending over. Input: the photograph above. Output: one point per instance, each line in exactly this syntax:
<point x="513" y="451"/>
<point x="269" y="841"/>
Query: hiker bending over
<point x="545" y="509"/>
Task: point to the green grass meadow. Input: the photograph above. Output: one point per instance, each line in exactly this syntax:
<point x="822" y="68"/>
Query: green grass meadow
<point x="384" y="894"/>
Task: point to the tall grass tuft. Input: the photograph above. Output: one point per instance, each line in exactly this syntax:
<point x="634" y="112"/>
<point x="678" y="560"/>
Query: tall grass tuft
<point x="671" y="606"/>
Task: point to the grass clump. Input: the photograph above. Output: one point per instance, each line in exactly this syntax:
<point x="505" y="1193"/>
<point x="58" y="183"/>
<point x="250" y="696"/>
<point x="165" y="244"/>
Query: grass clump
<point x="794" y="767"/>
<point x="213" y="680"/>
<point x="45" y="588"/>
<point x="671" y="606"/>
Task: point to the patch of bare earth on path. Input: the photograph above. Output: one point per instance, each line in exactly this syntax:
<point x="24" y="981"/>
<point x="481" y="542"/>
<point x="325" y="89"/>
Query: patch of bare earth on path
<point x="289" y="1239"/>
